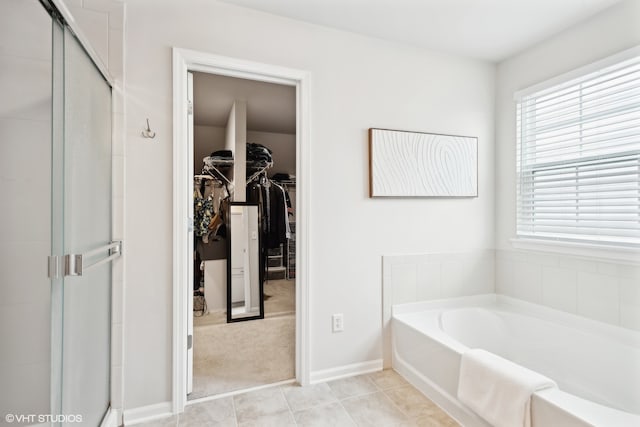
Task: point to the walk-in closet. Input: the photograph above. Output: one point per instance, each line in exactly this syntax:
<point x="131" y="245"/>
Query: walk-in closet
<point x="244" y="234"/>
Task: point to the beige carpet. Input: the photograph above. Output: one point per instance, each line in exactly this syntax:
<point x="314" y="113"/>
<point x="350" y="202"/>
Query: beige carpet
<point x="281" y="300"/>
<point x="236" y="356"/>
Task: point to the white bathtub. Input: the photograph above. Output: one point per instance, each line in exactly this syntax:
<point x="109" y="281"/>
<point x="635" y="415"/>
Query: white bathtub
<point x="596" y="366"/>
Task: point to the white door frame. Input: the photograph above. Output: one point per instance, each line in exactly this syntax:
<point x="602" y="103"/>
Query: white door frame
<point x="185" y="60"/>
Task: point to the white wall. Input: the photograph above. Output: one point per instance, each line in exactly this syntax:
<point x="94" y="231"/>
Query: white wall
<point x="206" y="140"/>
<point x="25" y="226"/>
<point x="239" y="122"/>
<point x="601" y="290"/>
<point x="357" y="83"/>
<point x="229" y="131"/>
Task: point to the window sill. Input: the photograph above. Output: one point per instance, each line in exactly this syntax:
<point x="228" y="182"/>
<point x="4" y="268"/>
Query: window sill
<point x="583" y="250"/>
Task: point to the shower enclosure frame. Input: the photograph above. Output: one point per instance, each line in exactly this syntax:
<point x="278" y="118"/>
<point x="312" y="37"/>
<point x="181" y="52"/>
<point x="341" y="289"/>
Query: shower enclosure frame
<point x="73" y="60"/>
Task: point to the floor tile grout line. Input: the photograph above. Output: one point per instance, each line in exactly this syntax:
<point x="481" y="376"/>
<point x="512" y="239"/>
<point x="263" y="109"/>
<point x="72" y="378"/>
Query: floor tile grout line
<point x="348" y="413"/>
<point x="389" y="399"/>
<point x="354" y="395"/>
<point x="336" y="399"/>
<point x="378" y="390"/>
<point x="396" y="406"/>
<point x="368" y="376"/>
<point x="287" y="403"/>
<point x="339" y="400"/>
<point x="235" y="410"/>
<point x="408" y="384"/>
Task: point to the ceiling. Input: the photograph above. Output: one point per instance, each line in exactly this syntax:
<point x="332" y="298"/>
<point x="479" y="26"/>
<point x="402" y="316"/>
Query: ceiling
<point x="490" y="30"/>
<point x="270" y="107"/>
<point x="484" y="29"/>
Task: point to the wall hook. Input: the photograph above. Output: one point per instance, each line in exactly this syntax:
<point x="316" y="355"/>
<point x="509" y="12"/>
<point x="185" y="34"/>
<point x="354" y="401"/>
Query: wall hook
<point x="148" y="133"/>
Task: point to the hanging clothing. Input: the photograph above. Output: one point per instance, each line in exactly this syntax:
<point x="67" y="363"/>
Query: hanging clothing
<point x="286" y="204"/>
<point x="207" y="213"/>
<point x="273" y="208"/>
<point x="277" y="231"/>
<point x="203" y="212"/>
<point x="197" y="273"/>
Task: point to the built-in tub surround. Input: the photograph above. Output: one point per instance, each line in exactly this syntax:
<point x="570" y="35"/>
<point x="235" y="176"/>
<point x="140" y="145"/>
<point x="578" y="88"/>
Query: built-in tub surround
<point x="603" y="290"/>
<point x="596" y="366"/>
<point x="431" y="276"/>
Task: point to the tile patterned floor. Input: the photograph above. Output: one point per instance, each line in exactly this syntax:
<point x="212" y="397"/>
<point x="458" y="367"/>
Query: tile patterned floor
<point x="382" y="399"/>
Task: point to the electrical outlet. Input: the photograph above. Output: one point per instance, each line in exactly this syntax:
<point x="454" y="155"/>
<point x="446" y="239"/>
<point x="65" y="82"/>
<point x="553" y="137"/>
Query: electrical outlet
<point x="337" y="322"/>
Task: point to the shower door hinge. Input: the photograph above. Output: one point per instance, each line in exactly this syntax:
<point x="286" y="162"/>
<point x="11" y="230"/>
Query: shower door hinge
<point x="189" y="342"/>
<point x="53" y="262"/>
<point x="190" y="108"/>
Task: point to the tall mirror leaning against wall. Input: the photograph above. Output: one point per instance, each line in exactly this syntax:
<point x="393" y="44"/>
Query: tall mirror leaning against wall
<point x="244" y="285"/>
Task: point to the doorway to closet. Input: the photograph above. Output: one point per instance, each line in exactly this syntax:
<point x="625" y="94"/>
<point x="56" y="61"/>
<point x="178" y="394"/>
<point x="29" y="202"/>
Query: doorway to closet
<point x="186" y="62"/>
<point x="244" y="264"/>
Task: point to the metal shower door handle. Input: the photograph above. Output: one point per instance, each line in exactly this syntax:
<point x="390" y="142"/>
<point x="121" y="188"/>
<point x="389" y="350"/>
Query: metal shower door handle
<point x="78" y="264"/>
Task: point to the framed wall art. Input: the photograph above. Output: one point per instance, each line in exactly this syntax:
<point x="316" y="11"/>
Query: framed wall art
<point x="416" y="164"/>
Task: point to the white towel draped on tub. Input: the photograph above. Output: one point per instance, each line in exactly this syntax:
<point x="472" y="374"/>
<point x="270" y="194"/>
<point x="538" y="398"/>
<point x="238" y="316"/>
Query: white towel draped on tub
<point x="497" y="389"/>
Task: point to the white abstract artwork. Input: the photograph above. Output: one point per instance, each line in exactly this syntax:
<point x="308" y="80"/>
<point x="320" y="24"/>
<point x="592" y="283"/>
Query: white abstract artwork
<point x="413" y="164"/>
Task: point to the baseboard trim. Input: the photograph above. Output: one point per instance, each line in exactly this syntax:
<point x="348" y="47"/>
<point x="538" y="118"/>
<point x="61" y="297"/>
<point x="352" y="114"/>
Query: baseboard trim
<point x="346" y="371"/>
<point x="110" y="419"/>
<point x="147" y="413"/>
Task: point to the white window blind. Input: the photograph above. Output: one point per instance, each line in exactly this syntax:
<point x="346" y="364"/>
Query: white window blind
<point x="578" y="159"/>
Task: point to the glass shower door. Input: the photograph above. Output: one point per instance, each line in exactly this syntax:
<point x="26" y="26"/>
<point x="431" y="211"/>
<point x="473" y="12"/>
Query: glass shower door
<point x="55" y="187"/>
<point x="82" y="155"/>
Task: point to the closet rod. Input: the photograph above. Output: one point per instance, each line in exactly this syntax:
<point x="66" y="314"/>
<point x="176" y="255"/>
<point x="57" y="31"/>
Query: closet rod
<point x="259" y="172"/>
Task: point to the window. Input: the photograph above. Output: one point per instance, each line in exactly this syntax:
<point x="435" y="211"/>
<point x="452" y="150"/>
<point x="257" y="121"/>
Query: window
<point x="578" y="158"/>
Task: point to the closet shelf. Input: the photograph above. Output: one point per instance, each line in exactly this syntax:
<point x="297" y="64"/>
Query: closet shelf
<point x="217" y="167"/>
<point x="213" y="167"/>
<point x="258" y="168"/>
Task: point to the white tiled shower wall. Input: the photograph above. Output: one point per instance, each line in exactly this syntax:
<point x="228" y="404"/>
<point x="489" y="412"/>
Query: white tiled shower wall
<point x="600" y="290"/>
